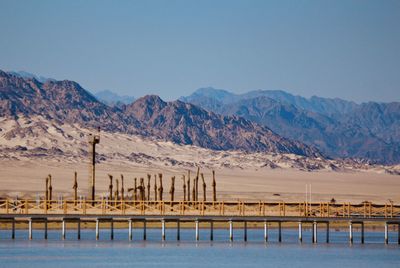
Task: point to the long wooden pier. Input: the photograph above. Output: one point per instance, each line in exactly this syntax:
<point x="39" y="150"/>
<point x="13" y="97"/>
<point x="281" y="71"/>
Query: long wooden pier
<point x="266" y="213"/>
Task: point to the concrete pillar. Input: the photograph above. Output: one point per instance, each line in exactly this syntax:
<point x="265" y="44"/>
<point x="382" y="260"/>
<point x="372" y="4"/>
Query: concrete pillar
<point x="45" y="228"/>
<point x="327" y="232"/>
<point x="398" y="234"/>
<point x="30" y="229"/>
<point x="230" y="231"/>
<point x="351" y="233"/>
<point x="265" y="231"/>
<point x="197" y="230"/>
<point x="211" y="230"/>
<point x="315" y="232"/>
<point x="63" y="230"/>
<point x="79" y="229"/>
<point x="178" y="230"/>
<point x="144" y="230"/>
<point x="362" y="233"/>
<point x="163" y="230"/>
<point x="130" y="230"/>
<point x="97" y="230"/>
<point x="245" y="231"/>
<point x="279" y="231"/>
<point x="13" y="229"/>
<point x="386" y="233"/>
<point x="112" y="229"/>
<point x="300" y="232"/>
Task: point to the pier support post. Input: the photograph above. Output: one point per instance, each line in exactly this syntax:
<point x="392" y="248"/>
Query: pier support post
<point x="178" y="230"/>
<point x="13" y="229"/>
<point x="163" y="230"/>
<point x="300" y="232"/>
<point x="97" y="230"/>
<point x="245" y="231"/>
<point x="144" y="230"/>
<point x="230" y="231"/>
<point x="197" y="230"/>
<point x="63" y="230"/>
<point x="398" y="234"/>
<point x="386" y="233"/>
<point x="211" y="230"/>
<point x="45" y="228"/>
<point x="327" y="232"/>
<point x="362" y="232"/>
<point x="315" y="232"/>
<point x="265" y="231"/>
<point x="79" y="229"/>
<point x="130" y="230"/>
<point x="279" y="231"/>
<point x="351" y="233"/>
<point x="30" y="229"/>
<point x="112" y="229"/>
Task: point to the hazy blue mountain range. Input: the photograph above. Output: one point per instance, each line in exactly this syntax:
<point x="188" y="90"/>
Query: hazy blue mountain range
<point x="338" y="128"/>
<point x="112" y="99"/>
<point x="149" y="116"/>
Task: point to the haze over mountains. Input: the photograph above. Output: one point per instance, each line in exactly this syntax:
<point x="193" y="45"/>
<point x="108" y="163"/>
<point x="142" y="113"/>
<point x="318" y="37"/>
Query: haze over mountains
<point x="338" y="128"/>
<point x="257" y="121"/>
<point x="149" y="116"/>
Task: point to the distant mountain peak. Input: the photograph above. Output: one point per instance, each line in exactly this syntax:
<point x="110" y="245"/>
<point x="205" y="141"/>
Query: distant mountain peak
<point x="113" y="99"/>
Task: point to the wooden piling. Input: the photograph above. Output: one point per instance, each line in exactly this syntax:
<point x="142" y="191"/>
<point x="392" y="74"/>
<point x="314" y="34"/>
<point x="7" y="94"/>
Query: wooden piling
<point x="155" y="187"/>
<point x="197" y="184"/>
<point x="148" y="186"/>
<point x="117" y="190"/>
<point x="13" y="229"/>
<point x="111" y="229"/>
<point x="245" y="231"/>
<point x="160" y="188"/>
<point x="184" y="187"/>
<point x="110" y="187"/>
<point x="279" y="231"/>
<point x="351" y="233"/>
<point x="172" y="189"/>
<point x="214" y="185"/>
<point x="45" y="228"/>
<point x="50" y="190"/>
<point x="178" y="230"/>
<point x="144" y="230"/>
<point x="211" y="230"/>
<point x="97" y="229"/>
<point x="327" y="232"/>
<point x="135" y="190"/>
<point x="386" y="233"/>
<point x="204" y="188"/>
<point x="79" y="229"/>
<point x="122" y="188"/>
<point x="75" y="187"/>
<point x="188" y="186"/>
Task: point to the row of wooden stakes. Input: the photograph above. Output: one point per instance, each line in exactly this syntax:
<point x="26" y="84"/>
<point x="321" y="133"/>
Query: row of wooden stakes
<point x="143" y="192"/>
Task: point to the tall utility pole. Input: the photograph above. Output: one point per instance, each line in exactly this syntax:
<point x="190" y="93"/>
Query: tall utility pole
<point x="93" y="140"/>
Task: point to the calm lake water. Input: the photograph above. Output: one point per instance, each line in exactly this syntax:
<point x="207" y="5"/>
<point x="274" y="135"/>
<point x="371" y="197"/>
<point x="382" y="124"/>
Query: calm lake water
<point x="187" y="253"/>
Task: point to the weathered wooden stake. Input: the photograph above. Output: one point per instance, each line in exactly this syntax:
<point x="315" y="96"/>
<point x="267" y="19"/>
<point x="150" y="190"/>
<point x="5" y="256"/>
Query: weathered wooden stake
<point x="142" y="190"/>
<point x="79" y="229"/>
<point x="160" y="188"/>
<point x="75" y="187"/>
<point x="47" y="189"/>
<point x="265" y="231"/>
<point x="178" y="230"/>
<point x="30" y="229"/>
<point x="204" y="188"/>
<point x="211" y="230"/>
<point x="130" y="230"/>
<point x="50" y="189"/>
<point x="117" y="191"/>
<point x="45" y="228"/>
<point x="197" y="230"/>
<point x="230" y="231"/>
<point x="135" y="190"/>
<point x="155" y="187"/>
<point x="315" y="232"/>
<point x="148" y="186"/>
<point x="13" y="229"/>
<point x="122" y="188"/>
<point x="245" y="231"/>
<point x="300" y="232"/>
<point x="351" y="233"/>
<point x="172" y="189"/>
<point x="97" y="230"/>
<point x="93" y="140"/>
<point x="188" y="186"/>
<point x="110" y="187"/>
<point x="63" y="230"/>
<point x="163" y="230"/>
<point x="184" y="187"/>
<point x="197" y="184"/>
<point x="214" y="185"/>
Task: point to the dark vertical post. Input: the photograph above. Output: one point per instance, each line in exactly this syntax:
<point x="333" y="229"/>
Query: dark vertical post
<point x="315" y="232"/>
<point x="79" y="228"/>
<point x="211" y="230"/>
<point x="110" y="188"/>
<point x="148" y="186"/>
<point x="160" y="188"/>
<point x="204" y="188"/>
<point x="13" y="229"/>
<point x="45" y="228"/>
<point x="155" y="187"/>
<point x="75" y="187"/>
<point x="214" y="185"/>
<point x="144" y="230"/>
<point x="245" y="231"/>
<point x="362" y="232"/>
<point x="178" y="230"/>
<point x="327" y="232"/>
<point x="112" y="229"/>
<point x="188" y="186"/>
<point x="197" y="184"/>
<point x="93" y="140"/>
<point x="122" y="188"/>
<point x="172" y="189"/>
<point x="279" y="231"/>
<point x="184" y="187"/>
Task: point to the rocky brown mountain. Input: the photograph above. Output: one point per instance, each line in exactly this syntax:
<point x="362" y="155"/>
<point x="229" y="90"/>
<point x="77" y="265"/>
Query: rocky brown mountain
<point x="338" y="128"/>
<point x="149" y="116"/>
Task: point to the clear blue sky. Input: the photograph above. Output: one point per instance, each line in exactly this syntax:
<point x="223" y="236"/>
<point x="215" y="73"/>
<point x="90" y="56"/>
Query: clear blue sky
<point x="347" y="49"/>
